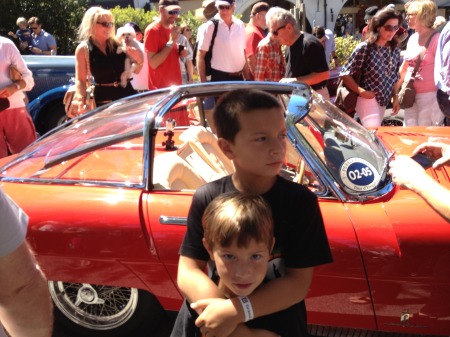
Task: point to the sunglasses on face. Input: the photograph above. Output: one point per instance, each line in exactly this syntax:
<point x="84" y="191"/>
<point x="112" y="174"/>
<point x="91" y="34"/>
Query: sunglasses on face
<point x="34" y="28"/>
<point x="275" y="32"/>
<point x="390" y="28"/>
<point x="174" y="12"/>
<point x="223" y="7"/>
<point x="106" y="24"/>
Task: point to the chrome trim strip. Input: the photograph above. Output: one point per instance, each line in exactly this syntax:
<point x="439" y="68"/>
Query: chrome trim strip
<point x="173" y="220"/>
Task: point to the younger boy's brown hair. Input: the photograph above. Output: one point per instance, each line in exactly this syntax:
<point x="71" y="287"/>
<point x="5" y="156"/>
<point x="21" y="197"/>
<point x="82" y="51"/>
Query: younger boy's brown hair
<point x="237" y="216"/>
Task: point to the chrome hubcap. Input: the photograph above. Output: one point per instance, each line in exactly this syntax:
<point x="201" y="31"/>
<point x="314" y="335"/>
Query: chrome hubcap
<point x="94" y="307"/>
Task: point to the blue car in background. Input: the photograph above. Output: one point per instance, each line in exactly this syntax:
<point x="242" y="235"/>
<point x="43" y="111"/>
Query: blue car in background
<point x="52" y="77"/>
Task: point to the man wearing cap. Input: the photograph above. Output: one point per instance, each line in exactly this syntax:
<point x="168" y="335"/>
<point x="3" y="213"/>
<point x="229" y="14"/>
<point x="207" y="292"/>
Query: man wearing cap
<point x="139" y="81"/>
<point x="161" y="38"/>
<point x="228" y="60"/>
<point x="369" y="13"/>
<point x="305" y="55"/>
<point x="255" y="32"/>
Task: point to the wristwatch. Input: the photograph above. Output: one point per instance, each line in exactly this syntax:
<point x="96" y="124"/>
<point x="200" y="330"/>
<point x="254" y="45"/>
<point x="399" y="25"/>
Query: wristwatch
<point x="169" y="44"/>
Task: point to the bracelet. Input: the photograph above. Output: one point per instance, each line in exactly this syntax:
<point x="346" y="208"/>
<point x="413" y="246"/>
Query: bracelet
<point x="247" y="306"/>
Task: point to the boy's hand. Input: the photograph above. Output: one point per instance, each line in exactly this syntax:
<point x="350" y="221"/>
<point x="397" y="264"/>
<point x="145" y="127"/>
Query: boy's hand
<point x="219" y="318"/>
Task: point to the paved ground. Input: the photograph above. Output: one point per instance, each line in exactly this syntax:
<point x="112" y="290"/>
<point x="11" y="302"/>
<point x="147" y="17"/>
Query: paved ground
<point x="163" y="330"/>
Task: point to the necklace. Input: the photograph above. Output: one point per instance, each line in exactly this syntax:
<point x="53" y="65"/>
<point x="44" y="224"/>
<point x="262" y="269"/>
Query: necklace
<point x="386" y="59"/>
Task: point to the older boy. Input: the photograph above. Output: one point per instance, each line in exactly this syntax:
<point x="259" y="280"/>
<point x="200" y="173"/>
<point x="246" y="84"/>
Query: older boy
<point x="251" y="130"/>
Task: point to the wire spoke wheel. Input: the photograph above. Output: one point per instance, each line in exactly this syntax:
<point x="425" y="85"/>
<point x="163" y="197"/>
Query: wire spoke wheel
<point x="94" y="307"/>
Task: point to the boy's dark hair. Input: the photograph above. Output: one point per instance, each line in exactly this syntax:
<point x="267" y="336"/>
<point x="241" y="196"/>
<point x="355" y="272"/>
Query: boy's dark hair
<point x="236" y="103"/>
<point x="239" y="216"/>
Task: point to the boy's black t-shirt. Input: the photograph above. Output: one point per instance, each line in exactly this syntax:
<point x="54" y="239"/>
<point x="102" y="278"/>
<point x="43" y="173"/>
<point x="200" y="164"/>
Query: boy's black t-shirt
<point x="300" y="241"/>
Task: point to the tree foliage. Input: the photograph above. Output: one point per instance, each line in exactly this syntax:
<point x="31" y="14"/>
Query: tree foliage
<point x="60" y="18"/>
<point x="344" y="48"/>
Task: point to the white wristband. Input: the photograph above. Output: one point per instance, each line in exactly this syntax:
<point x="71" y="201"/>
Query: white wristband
<point x="247" y="306"/>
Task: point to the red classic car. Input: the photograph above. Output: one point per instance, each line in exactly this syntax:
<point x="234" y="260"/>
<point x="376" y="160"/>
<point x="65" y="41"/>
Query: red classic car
<point x="108" y="194"/>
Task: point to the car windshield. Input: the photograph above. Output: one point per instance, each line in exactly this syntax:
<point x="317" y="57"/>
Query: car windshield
<point x="112" y="125"/>
<point x="112" y="145"/>
<point x="353" y="155"/>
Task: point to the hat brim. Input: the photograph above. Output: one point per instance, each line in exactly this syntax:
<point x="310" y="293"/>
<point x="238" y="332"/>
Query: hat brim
<point x="172" y="7"/>
<point x="199" y="14"/>
<point x="223" y="3"/>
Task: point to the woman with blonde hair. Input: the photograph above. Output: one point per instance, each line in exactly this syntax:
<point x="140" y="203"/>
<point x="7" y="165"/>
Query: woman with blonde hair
<point x="377" y="60"/>
<point x="97" y="35"/>
<point x="425" y="111"/>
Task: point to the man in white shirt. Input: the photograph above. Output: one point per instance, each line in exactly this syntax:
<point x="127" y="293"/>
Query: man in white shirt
<point x="228" y="61"/>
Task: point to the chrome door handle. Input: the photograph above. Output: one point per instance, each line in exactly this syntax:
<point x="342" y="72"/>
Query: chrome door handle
<point x="172" y="220"/>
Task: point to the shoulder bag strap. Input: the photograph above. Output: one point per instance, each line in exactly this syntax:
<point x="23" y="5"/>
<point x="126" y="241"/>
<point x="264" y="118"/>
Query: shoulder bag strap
<point x="88" y="66"/>
<point x="216" y="25"/>
<point x="421" y="56"/>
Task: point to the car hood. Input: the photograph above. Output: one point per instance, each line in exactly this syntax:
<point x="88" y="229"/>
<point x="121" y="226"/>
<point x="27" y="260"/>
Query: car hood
<point x="403" y="140"/>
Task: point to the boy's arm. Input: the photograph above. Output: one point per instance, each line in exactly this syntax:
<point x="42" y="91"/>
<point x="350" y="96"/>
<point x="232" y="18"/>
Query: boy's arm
<point x="222" y="317"/>
<point x="193" y="282"/>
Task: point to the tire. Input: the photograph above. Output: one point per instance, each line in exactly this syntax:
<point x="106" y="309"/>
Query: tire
<point x="392" y="121"/>
<point x="100" y="311"/>
<point x="55" y="116"/>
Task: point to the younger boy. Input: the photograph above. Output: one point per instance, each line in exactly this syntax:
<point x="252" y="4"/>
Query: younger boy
<point x="23" y="34"/>
<point x="238" y="235"/>
<point x="251" y="129"/>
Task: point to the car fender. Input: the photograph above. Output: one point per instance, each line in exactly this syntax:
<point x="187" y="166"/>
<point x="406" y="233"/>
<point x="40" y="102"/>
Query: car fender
<point x="36" y="106"/>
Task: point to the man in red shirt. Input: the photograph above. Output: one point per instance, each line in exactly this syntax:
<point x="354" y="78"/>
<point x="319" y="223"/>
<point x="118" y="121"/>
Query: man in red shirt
<point x="255" y="32"/>
<point x="161" y="47"/>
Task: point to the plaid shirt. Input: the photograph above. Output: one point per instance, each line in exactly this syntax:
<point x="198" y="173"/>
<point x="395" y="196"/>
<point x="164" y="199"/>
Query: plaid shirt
<point x="270" y="63"/>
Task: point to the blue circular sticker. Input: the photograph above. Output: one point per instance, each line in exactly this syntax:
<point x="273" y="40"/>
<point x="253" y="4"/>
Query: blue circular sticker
<point x="359" y="175"/>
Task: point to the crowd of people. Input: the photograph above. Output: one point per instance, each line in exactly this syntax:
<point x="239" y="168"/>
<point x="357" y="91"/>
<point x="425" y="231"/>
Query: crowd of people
<point x="270" y="47"/>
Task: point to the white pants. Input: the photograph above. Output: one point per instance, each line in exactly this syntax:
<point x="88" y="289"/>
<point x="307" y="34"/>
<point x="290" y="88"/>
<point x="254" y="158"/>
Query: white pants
<point x="425" y="111"/>
<point x="369" y="112"/>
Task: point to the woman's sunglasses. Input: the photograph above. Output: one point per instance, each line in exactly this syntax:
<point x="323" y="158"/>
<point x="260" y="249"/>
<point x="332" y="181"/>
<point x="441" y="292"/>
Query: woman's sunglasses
<point x="106" y="24"/>
<point x="390" y="28"/>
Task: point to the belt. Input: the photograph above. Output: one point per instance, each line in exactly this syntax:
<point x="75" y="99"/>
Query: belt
<point x="114" y="84"/>
<point x="236" y="74"/>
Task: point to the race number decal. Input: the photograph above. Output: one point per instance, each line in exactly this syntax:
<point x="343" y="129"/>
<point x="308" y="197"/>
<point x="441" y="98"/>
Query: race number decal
<point x="359" y="175"/>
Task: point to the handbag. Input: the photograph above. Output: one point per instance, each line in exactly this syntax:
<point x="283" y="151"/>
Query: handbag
<point x="407" y="93"/>
<point x="70" y="101"/>
<point x="14" y="73"/>
<point x="346" y="98"/>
